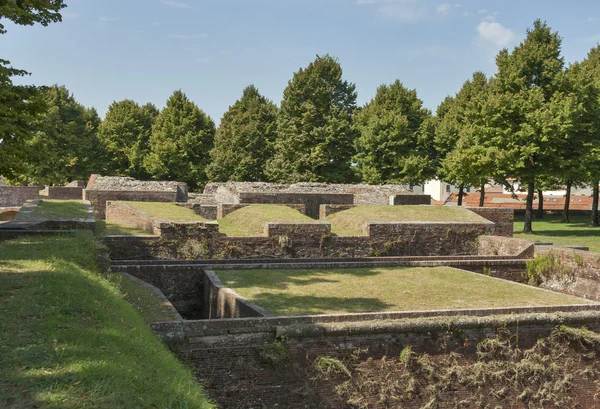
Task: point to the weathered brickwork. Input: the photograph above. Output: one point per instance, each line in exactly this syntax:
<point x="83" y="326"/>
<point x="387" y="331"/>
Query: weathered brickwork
<point x="98" y="198"/>
<point x="207" y="211"/>
<point x="409" y="199"/>
<point x="63" y="193"/>
<point x="17" y="195"/>
<point x="503" y="218"/>
<point x="504" y="246"/>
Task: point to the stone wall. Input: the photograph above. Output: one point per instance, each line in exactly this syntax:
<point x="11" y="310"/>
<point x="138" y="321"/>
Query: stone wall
<point x="17" y="195"/>
<point x="311" y="201"/>
<point x="122" y="213"/>
<point x="505" y="246"/>
<point x="503" y="218"/>
<point x="327" y="209"/>
<point x="224" y="209"/>
<point x="207" y="211"/>
<point x="98" y="198"/>
<point x="230" y="354"/>
<point x="63" y="193"/>
<point x="222" y="302"/>
<point x="573" y="272"/>
<point x="409" y="199"/>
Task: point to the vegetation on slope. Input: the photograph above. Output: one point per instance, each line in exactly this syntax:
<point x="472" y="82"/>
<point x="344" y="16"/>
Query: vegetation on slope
<point x="328" y="291"/>
<point x="250" y="220"/>
<point x="69" y="340"/>
<point x="73" y="209"/>
<point x="350" y="222"/>
<point x="167" y="211"/>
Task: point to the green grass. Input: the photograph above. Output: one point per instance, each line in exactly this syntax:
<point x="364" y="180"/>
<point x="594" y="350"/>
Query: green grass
<point x="108" y="228"/>
<point x="350" y="222"/>
<point x="73" y="209"/>
<point x="68" y="339"/>
<point x="297" y="292"/>
<point x="167" y="211"/>
<point x="143" y="300"/>
<point x="578" y="232"/>
<point x="250" y="220"/>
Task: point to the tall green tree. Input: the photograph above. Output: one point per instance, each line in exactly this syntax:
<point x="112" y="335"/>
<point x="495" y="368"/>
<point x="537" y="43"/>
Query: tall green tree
<point x="182" y="137"/>
<point x="315" y="131"/>
<point x="586" y="80"/>
<point x="66" y="145"/>
<point x="125" y="132"/>
<point x="458" y="138"/>
<point x="244" y="140"/>
<point x="20" y="104"/>
<point x="526" y="114"/>
<point x="395" y="140"/>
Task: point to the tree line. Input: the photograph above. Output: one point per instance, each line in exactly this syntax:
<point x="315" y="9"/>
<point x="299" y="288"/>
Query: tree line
<point x="535" y="120"/>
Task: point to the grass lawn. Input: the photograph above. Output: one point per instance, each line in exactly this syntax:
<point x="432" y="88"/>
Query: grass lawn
<point x="297" y="292"/>
<point x="350" y="222"/>
<point x="73" y="209"/>
<point x="68" y="339"/>
<point x="107" y="228"/>
<point x="250" y="220"/>
<point x="167" y="211"/>
<point x="550" y="229"/>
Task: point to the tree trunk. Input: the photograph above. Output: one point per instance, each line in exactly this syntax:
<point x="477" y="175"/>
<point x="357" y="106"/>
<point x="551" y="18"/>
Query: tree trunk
<point x="565" y="217"/>
<point x="461" y="192"/>
<point x="482" y="195"/>
<point x="529" y="208"/>
<point x="540" y="209"/>
<point x="595" y="206"/>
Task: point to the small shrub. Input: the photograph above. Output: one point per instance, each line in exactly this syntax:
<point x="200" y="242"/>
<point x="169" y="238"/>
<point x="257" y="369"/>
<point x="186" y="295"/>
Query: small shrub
<point x="545" y="267"/>
<point x="487" y="271"/>
<point x="275" y="354"/>
<point x="406" y="355"/>
<point x="327" y="366"/>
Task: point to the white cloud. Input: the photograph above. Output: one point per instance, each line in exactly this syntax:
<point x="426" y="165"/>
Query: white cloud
<point x="444" y="8"/>
<point x="495" y="33"/>
<point x="188" y="36"/>
<point x="176" y="4"/>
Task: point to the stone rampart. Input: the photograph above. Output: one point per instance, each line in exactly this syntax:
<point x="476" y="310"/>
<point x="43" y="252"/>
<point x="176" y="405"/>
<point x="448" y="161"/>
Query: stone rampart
<point x="409" y="199"/>
<point x="63" y="193"/>
<point x="503" y="218"/>
<point x="311" y="201"/>
<point x="98" y="198"/>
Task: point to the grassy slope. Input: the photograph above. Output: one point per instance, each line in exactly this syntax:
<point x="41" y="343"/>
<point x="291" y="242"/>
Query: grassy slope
<point x="350" y="222"/>
<point x="550" y="229"/>
<point x="107" y="228"/>
<point x="69" y="340"/>
<point x="292" y="292"/>
<point x="168" y="211"/>
<point x="61" y="208"/>
<point x="250" y="220"/>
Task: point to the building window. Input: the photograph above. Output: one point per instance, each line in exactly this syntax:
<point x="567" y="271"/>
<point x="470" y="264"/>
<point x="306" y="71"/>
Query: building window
<point x="468" y="190"/>
<point x="447" y="188"/>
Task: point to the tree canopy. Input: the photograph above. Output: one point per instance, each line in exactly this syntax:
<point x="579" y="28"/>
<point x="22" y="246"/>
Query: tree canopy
<point x="315" y="130"/>
<point x="244" y="140"/>
<point x="182" y="137"/>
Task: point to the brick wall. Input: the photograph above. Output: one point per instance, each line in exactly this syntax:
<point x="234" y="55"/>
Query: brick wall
<point x="98" y="198"/>
<point x="222" y="302"/>
<point x="406" y="199"/>
<point x="17" y="195"/>
<point x="504" y="218"/>
<point x="122" y="213"/>
<point x="505" y="246"/>
<point x="203" y="210"/>
<point x="224" y="209"/>
<point x="63" y="193"/>
<point x="311" y="201"/>
<point x="227" y="354"/>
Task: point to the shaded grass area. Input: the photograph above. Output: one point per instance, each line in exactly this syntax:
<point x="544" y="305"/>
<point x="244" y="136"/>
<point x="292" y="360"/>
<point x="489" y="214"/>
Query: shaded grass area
<point x="108" y="228"/>
<point x="250" y="220"/>
<point x="143" y="300"/>
<point x="350" y="222"/>
<point x="327" y="291"/>
<point x="69" y="340"/>
<point x="73" y="209"/>
<point x="167" y="211"/>
<point x="578" y="232"/>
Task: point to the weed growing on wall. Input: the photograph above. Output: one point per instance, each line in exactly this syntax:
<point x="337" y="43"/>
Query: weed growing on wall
<point x="274" y="354"/>
<point x="545" y="267"/>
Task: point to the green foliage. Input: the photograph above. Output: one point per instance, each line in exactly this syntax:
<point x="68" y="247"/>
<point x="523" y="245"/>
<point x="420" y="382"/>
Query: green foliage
<point x="244" y="140"/>
<point x="274" y="354"/>
<point x="182" y="136"/>
<point x="20" y="104"/>
<point x="395" y="138"/>
<point x="544" y="267"/>
<point x="125" y="133"/>
<point x="406" y="356"/>
<point x="66" y="145"/>
<point x="315" y="130"/>
<point x="327" y="366"/>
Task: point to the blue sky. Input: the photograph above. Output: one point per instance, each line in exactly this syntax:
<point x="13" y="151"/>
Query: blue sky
<point x="143" y="50"/>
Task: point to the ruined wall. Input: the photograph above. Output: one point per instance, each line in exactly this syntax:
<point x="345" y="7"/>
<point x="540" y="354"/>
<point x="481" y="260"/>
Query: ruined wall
<point x="17" y="195"/>
<point x="572" y="272"/>
<point x="207" y="211"/>
<point x="63" y="193"/>
<point x="122" y="213"/>
<point x="505" y="246"/>
<point x="98" y="198"/>
<point x="245" y="367"/>
<point x="222" y="302"/>
<point x="311" y="201"/>
<point x="409" y="199"/>
<point x="503" y="218"/>
<point x="224" y="209"/>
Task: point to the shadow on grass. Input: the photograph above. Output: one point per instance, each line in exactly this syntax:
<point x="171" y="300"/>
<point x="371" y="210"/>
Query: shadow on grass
<point x="286" y="304"/>
<point x="282" y="279"/>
